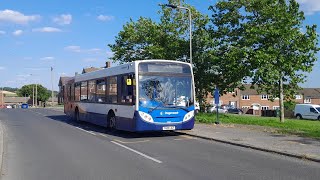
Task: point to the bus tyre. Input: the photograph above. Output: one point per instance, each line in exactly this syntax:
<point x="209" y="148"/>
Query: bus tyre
<point x="77" y="115"/>
<point x="112" y="120"/>
<point x="318" y="118"/>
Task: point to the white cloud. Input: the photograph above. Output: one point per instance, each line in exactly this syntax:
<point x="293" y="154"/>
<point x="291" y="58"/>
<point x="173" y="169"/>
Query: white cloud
<point x="2" y="68"/>
<point x="8" y="15"/>
<point x="2" y="32"/>
<point x="109" y="53"/>
<point x="35" y="68"/>
<point x="47" y="29"/>
<point x="94" y="50"/>
<point x="78" y="49"/>
<point x="17" y="32"/>
<point x="309" y="6"/>
<point x="73" y="48"/>
<point x="47" y="58"/>
<point x="27" y="58"/>
<point x="105" y="18"/>
<point x="63" y="19"/>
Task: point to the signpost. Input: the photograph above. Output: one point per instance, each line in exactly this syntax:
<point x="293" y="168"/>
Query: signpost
<point x="216" y="102"/>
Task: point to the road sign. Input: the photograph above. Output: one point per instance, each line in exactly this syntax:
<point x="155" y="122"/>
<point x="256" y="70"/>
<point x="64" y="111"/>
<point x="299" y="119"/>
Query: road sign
<point x="216" y="96"/>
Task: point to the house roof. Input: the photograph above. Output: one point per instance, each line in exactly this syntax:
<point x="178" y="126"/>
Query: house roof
<point x="248" y="90"/>
<point x="90" y="69"/>
<point x="16" y="99"/>
<point x="313" y="93"/>
<point x="8" y="93"/>
<point x="63" y="80"/>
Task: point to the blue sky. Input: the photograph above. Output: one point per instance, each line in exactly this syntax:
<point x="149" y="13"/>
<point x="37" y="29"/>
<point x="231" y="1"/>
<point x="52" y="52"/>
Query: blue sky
<point x="70" y="35"/>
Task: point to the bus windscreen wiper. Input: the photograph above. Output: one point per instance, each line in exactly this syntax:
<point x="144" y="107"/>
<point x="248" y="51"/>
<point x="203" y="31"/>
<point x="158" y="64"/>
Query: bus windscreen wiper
<point x="151" y="109"/>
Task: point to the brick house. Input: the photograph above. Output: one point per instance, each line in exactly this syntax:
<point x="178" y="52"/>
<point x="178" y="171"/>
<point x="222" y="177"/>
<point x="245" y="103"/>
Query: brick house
<point x="62" y="81"/>
<point x="247" y="99"/>
<point x="251" y="99"/>
<point x="1" y="98"/>
<point x="308" y="96"/>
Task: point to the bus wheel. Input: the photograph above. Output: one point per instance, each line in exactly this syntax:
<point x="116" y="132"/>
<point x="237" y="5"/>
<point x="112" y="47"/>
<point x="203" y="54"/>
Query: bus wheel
<point x="112" y="121"/>
<point x="76" y="115"/>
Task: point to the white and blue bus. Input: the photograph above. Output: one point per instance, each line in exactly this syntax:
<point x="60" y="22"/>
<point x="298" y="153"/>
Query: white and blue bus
<point x="148" y="95"/>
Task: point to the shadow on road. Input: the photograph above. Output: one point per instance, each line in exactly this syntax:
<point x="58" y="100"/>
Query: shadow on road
<point x="99" y="129"/>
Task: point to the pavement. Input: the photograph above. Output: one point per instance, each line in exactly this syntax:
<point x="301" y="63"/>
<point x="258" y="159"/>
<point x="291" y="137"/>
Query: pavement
<point x="259" y="138"/>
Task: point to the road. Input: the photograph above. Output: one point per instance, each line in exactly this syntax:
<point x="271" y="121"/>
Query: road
<point x="44" y="144"/>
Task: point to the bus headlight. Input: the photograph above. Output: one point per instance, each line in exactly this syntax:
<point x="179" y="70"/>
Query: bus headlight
<point x="145" y="116"/>
<point x="188" y="116"/>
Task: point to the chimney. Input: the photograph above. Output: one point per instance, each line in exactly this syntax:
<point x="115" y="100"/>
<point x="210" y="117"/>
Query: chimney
<point x="108" y="64"/>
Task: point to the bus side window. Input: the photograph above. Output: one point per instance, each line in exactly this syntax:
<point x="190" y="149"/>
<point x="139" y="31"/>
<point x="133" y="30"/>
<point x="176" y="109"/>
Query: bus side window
<point x="101" y="89"/>
<point x="127" y="87"/>
<point x="77" y="91"/>
<point x="112" y="91"/>
<point x="72" y="92"/>
<point x="84" y="91"/>
<point x="92" y="91"/>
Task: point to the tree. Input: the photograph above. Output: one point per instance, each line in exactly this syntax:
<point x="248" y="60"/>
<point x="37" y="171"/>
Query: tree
<point x="27" y="90"/>
<point x="262" y="41"/>
<point x="168" y="39"/>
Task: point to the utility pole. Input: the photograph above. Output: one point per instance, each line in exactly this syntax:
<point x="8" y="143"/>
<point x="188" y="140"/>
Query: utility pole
<point x="190" y="24"/>
<point x="51" y="86"/>
<point x="36" y="95"/>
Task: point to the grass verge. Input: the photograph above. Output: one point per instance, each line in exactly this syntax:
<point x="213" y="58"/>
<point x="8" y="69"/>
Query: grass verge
<point x="305" y="128"/>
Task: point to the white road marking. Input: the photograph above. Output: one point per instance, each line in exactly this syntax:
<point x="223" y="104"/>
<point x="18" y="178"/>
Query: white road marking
<point x="131" y="142"/>
<point x="90" y="132"/>
<point x="103" y="135"/>
<point x="137" y="152"/>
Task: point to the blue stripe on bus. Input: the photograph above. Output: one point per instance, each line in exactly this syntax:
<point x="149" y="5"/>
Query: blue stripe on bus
<point x="136" y="123"/>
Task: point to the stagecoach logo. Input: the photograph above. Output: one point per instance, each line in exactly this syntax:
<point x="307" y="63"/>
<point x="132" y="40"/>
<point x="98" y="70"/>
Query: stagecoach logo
<point x="169" y="113"/>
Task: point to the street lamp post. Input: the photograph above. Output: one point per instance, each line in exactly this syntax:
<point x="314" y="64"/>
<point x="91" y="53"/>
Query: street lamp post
<point x="36" y="94"/>
<point x="190" y="24"/>
<point x="51" y="86"/>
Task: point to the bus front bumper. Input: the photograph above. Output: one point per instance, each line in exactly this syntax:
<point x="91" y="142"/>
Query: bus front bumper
<point x="142" y="125"/>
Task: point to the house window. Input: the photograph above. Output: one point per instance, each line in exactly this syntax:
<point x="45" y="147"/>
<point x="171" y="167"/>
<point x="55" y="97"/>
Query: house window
<point x="298" y="96"/>
<point x="307" y="100"/>
<point x="245" y="97"/>
<point x="276" y="107"/>
<point x="264" y="97"/>
<point x="245" y="107"/>
<point x="264" y="107"/>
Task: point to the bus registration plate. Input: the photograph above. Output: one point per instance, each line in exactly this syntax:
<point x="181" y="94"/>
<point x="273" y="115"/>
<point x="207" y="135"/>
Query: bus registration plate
<point x="168" y="128"/>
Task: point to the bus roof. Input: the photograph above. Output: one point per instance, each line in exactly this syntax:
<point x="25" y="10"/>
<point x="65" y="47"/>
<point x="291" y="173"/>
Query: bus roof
<point x="120" y="69"/>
